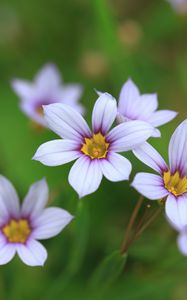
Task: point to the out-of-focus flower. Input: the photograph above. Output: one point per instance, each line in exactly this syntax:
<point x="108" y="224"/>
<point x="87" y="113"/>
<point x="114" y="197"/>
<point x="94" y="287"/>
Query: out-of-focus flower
<point x="94" y="64"/>
<point x="171" y="181"/>
<point x="179" y="5"/>
<point x="130" y="33"/>
<point x="133" y="106"/>
<point x="21" y="227"/>
<point x="94" y="150"/>
<point x="47" y="88"/>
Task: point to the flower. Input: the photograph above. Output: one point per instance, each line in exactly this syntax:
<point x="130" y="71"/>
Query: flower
<point x="47" y="88"/>
<point x="94" y="150"/>
<point x="182" y="236"/>
<point x="21" y="227"/>
<point x="133" y="106"/>
<point x="171" y="181"/>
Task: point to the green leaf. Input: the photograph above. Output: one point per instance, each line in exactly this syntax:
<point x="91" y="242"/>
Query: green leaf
<point x="109" y="270"/>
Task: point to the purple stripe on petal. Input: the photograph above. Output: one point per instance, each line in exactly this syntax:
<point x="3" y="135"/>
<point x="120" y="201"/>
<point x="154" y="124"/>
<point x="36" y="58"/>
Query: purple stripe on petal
<point x="104" y="113"/>
<point x="149" y="156"/>
<point x="150" y="185"/>
<point x="178" y="149"/>
<point x="85" y="176"/>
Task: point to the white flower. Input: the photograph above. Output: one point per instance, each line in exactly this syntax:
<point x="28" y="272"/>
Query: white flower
<point x="21" y="227"/>
<point x="133" y="106"/>
<point x="47" y="88"/>
<point x="95" y="150"/>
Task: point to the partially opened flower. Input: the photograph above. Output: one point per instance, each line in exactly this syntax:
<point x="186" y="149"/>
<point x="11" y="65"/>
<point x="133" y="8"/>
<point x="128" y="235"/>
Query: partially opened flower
<point x="47" y="88"/>
<point x="21" y="227"/>
<point x="133" y="106"/>
<point x="171" y="183"/>
<point x="94" y="150"/>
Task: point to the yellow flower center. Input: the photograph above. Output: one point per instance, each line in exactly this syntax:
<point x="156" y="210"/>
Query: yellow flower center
<point x="96" y="146"/>
<point x="17" y="231"/>
<point x="174" y="183"/>
<point x="39" y="110"/>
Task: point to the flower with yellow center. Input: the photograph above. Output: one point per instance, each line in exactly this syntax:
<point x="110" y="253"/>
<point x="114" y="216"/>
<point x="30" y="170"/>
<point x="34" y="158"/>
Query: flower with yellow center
<point x="95" y="150"/>
<point x="17" y="231"/>
<point x="96" y="146"/>
<point x="22" y="226"/>
<point x="171" y="183"/>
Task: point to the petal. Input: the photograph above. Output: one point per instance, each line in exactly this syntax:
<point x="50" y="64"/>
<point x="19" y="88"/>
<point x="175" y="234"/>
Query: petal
<point x="66" y="121"/>
<point x="182" y="208"/>
<point x="50" y="223"/>
<point x="161" y="117"/>
<point x="23" y="88"/>
<point x="104" y="113"/>
<point x="71" y="93"/>
<point x="7" y="252"/>
<point x="57" y="152"/>
<point x="172" y="212"/>
<point x="116" y="167"/>
<point x="150" y="185"/>
<point x="182" y="242"/>
<point x="178" y="149"/>
<point x="127" y="99"/>
<point x="48" y="76"/>
<point x="33" y="253"/>
<point x="129" y="135"/>
<point x="147" y="104"/>
<point x="85" y="176"/>
<point x="9" y="197"/>
<point x="36" y="199"/>
<point x="149" y="156"/>
<point x="29" y="109"/>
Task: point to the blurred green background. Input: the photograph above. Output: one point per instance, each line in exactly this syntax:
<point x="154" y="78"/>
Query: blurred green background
<point x="99" y="44"/>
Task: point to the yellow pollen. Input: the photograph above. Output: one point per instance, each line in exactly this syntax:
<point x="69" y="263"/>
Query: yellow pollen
<point x="96" y="146"/>
<point x="174" y="183"/>
<point x="39" y="110"/>
<point x="17" y="231"/>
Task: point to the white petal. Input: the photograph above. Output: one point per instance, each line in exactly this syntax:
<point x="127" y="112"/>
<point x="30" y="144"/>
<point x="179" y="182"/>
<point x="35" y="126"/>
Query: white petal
<point x="23" y="89"/>
<point x="148" y="103"/>
<point x="28" y="107"/>
<point x="9" y="196"/>
<point x="149" y="156"/>
<point x="104" y="113"/>
<point x="85" y="176"/>
<point x="36" y="199"/>
<point x="71" y="93"/>
<point x="50" y="223"/>
<point x="7" y="252"/>
<point x="48" y="76"/>
<point x="127" y="99"/>
<point x="33" y="253"/>
<point x="150" y="186"/>
<point x="182" y="242"/>
<point x="182" y="208"/>
<point x="172" y="212"/>
<point x="178" y="149"/>
<point x="129" y="135"/>
<point x="116" y="167"/>
<point x="66" y="121"/>
<point x="57" y="152"/>
<point x="161" y="117"/>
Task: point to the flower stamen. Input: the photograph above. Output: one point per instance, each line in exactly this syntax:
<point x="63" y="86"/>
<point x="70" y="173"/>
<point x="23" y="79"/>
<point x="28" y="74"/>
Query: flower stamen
<point x="95" y="147"/>
<point x="17" y="231"/>
<point x="174" y="183"/>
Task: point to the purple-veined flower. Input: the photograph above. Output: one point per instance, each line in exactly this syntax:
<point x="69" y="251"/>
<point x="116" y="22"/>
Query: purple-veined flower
<point x="95" y="150"/>
<point x="22" y="226"/>
<point x="47" y="88"/>
<point x="171" y="183"/>
<point x="133" y="106"/>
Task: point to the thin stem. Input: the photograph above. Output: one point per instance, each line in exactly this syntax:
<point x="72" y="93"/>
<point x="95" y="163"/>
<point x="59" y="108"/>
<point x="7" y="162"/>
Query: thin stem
<point x="130" y="224"/>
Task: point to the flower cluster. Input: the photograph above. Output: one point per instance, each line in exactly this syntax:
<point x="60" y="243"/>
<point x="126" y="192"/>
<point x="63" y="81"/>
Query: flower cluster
<point x="98" y="152"/>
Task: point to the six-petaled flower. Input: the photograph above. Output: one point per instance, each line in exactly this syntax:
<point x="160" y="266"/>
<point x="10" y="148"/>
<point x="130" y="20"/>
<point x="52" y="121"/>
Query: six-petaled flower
<point x="47" y="88"/>
<point x="171" y="183"/>
<point x="133" y="106"/>
<point x="21" y="227"/>
<point x="95" y="150"/>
